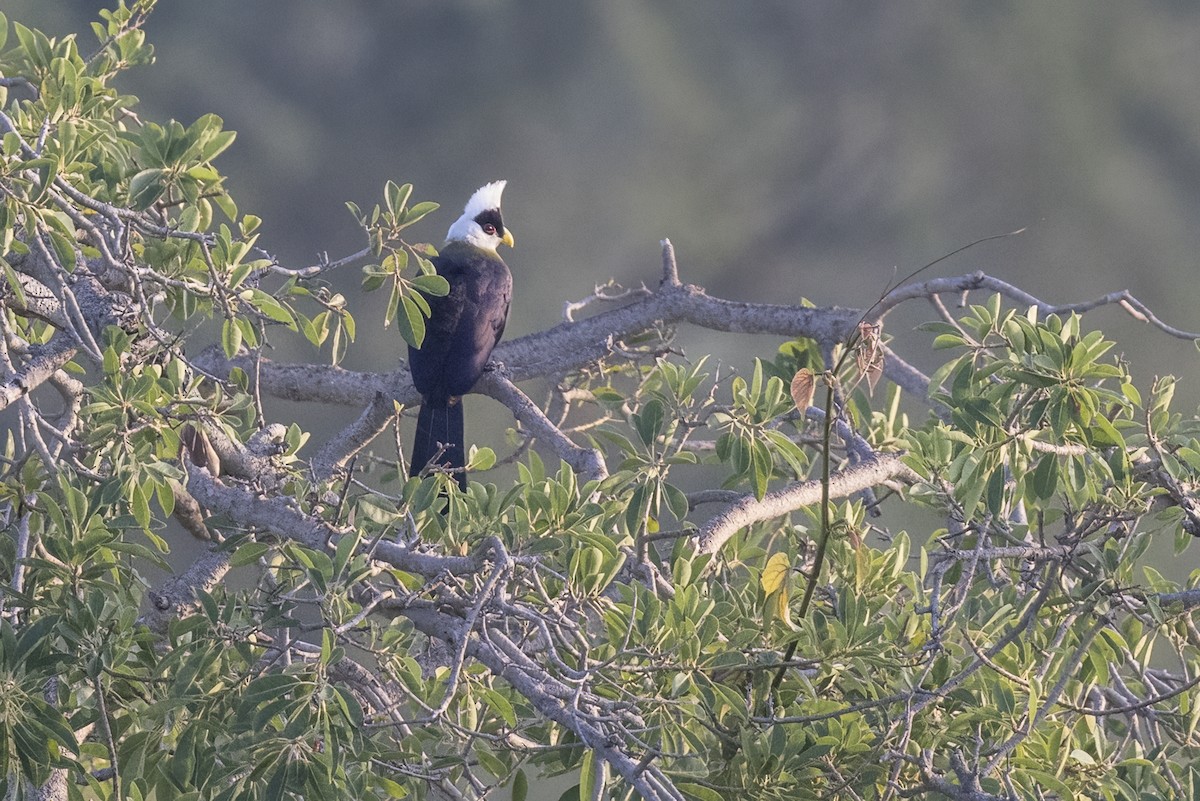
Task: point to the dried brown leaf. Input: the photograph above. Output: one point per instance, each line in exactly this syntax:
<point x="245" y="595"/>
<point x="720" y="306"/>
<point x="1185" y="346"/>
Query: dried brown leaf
<point x="803" y="386"/>
<point x="870" y="354"/>
<point x="199" y="450"/>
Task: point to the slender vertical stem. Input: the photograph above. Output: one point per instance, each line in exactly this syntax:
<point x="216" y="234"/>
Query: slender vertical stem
<point x="823" y="539"/>
<point x="106" y="727"/>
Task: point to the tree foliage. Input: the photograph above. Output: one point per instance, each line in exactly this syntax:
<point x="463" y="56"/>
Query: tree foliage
<point x="672" y="579"/>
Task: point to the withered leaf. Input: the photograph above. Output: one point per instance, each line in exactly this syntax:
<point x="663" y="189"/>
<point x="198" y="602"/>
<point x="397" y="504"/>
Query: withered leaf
<point x="199" y="450"/>
<point x="803" y="385"/>
<point x="870" y="354"/>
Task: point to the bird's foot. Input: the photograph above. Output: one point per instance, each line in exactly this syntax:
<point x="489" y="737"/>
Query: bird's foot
<point x="497" y="367"/>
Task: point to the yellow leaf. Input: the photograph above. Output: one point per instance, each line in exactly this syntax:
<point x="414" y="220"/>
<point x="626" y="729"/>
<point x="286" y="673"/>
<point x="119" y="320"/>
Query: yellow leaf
<point x="775" y="574"/>
<point x="779" y="608"/>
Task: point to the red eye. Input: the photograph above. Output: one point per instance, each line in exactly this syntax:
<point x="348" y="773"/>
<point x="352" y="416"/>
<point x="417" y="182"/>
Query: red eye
<point x="489" y="229"/>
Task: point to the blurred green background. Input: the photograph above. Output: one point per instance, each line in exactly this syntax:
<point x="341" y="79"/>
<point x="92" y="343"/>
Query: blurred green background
<point x="788" y="149"/>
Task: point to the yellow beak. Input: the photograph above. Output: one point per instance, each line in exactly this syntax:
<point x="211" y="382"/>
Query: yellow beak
<point x="507" y="238"/>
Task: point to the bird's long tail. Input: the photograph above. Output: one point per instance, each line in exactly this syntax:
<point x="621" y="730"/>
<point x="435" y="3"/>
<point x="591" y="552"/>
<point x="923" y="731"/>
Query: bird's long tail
<point x="439" y="436"/>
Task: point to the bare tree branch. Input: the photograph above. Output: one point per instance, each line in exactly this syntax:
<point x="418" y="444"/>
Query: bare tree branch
<point x="749" y="510"/>
<point x="37" y="370"/>
<point x="586" y="461"/>
<point x="350" y="441"/>
<point x="980" y="280"/>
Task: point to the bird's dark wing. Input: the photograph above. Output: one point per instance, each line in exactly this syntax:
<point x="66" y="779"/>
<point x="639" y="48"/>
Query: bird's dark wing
<point x="490" y="309"/>
<point x="464" y="326"/>
<point x="428" y="363"/>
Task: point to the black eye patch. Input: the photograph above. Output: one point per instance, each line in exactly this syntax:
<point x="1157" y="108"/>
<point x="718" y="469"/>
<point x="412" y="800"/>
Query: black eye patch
<point x="490" y="216"/>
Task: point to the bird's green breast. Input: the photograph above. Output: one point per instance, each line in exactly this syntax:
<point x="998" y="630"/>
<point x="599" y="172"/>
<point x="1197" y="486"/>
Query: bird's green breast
<point x="458" y="250"/>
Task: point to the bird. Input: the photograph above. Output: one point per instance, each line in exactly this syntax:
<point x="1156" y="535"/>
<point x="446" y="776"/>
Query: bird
<point x="463" y="328"/>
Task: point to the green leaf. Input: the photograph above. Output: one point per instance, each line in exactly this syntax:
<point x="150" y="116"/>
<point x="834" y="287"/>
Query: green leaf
<point x="488" y="760"/>
<point x="789" y="451"/>
<point x="328" y="644"/>
<point x="677" y="501"/>
<point x="249" y="224"/>
<point x="649" y="421"/>
<point x="591" y="776"/>
<point x="267" y="687"/>
<point x="421" y="303"/>
<point x="639" y="508"/>
<point x="500" y="705"/>
<point x="227" y="206"/>
<point x="982" y="411"/>
<point x="35" y="44"/>
<point x="372" y="280"/>
<point x="1104" y="434"/>
<point x="396" y="197"/>
<point x="433" y="285"/>
<point x="995" y="491"/>
<point x="217" y="144"/>
<point x="231" y="338"/>
<point x="248" y="554"/>
<point x="146" y="187"/>
<point x="165" y="493"/>
<point x="238" y="274"/>
<point x="396" y="261"/>
<point x="520" y="786"/>
<point x="970" y="485"/>
<point x="1044" y="480"/>
<point x="350" y="707"/>
<point x="699" y="792"/>
<point x="481" y="459"/>
<point x="273" y="309"/>
<point x="418" y="211"/>
<point x="140" y="505"/>
<point x="410" y="323"/>
<point x="760" y="468"/>
<point x="608" y="396"/>
<point x="64" y="250"/>
<point x="112" y="362"/>
<point x="945" y="341"/>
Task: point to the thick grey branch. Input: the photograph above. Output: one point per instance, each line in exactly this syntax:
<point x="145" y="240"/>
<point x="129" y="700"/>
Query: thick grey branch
<point x="38" y="300"/>
<point x="561" y="349"/>
<point x="569" y="346"/>
<point x="38" y="370"/>
<point x="587" y="461"/>
<point x="1189" y="599"/>
<point x="338" y="451"/>
<point x="318" y="383"/>
<point x="279" y="516"/>
<point x="749" y="509"/>
<point x="177" y="595"/>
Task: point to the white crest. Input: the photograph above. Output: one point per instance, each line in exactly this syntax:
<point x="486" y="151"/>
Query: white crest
<point x="485" y="198"/>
